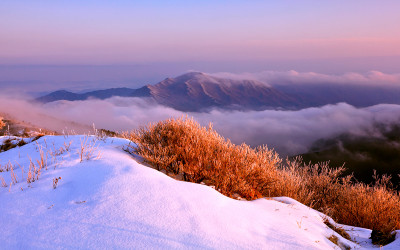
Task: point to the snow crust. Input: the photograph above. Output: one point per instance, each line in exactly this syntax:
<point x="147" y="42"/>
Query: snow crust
<point x="110" y="201"/>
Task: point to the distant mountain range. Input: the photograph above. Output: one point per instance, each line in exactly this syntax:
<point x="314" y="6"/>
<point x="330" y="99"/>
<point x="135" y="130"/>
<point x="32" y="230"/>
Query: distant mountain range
<point x="198" y="92"/>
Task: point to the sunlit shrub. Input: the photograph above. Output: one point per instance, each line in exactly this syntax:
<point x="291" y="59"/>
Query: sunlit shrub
<point x="201" y="154"/>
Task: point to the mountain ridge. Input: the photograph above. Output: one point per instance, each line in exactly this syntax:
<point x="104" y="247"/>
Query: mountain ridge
<point x="201" y="92"/>
<point x="194" y="91"/>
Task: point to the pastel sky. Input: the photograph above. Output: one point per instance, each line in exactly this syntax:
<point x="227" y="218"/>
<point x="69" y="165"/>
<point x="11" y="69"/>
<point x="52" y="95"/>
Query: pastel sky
<point x="119" y="32"/>
<point x="90" y="44"/>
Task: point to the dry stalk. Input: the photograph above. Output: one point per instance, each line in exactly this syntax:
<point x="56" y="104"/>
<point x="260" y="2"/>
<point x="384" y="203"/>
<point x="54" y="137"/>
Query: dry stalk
<point x="3" y="182"/>
<point x="42" y="163"/>
<point x="87" y="149"/>
<point x="14" y="178"/>
<point x="22" y="170"/>
<point x="55" y="182"/>
<point x="31" y="172"/>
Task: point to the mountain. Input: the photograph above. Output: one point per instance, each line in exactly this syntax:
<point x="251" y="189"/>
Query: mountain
<point x="199" y="92"/>
<point x="99" y="94"/>
<point x="194" y="92"/>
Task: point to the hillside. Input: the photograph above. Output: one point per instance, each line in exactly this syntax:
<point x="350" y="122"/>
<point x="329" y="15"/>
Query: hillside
<point x="10" y="125"/>
<point x="106" y="199"/>
<point x="31" y="124"/>
<point x="362" y="154"/>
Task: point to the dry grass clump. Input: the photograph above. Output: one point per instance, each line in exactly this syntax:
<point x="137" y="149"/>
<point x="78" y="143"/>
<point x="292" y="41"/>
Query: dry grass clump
<point x="315" y="185"/>
<point x="374" y="206"/>
<point x="201" y="154"/>
<point x="182" y="146"/>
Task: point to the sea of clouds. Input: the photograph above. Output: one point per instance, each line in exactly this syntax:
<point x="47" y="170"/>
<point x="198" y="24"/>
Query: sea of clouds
<point x="288" y="132"/>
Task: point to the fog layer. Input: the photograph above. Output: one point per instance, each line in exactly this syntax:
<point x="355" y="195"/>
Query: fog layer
<point x="288" y="132"/>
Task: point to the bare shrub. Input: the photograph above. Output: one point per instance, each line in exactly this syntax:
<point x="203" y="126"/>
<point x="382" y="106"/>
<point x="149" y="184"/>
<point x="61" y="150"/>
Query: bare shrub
<point x="374" y="206"/>
<point x="371" y="206"/>
<point x="316" y="185"/>
<point x="199" y="153"/>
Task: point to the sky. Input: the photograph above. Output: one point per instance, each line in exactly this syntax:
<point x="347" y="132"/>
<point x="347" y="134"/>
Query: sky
<point x="144" y="41"/>
<point x="46" y="45"/>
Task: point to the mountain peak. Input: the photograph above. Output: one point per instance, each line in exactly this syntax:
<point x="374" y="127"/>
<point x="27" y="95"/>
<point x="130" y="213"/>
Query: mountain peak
<point x="194" y="73"/>
<point x="197" y="91"/>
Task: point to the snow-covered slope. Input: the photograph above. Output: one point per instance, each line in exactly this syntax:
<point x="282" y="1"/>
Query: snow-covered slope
<point x="108" y="200"/>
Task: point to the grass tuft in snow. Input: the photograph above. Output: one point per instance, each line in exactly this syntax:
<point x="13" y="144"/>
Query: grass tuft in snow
<point x="88" y="149"/>
<point x="55" y="182"/>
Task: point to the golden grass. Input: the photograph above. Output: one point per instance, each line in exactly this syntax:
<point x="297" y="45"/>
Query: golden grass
<point x="200" y="154"/>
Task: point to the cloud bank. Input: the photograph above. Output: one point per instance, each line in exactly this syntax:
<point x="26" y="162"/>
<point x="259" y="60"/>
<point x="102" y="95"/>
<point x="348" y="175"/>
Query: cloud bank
<point x="370" y="78"/>
<point x="288" y="132"/>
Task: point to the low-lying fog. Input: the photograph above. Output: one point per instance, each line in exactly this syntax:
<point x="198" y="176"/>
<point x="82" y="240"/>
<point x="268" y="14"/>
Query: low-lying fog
<point x="288" y="132"/>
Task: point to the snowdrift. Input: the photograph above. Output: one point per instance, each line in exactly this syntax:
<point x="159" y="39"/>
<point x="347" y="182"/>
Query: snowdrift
<point x="105" y="199"/>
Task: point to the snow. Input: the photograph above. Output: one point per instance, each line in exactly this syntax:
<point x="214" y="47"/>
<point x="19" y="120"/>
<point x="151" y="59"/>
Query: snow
<point x="108" y="200"/>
